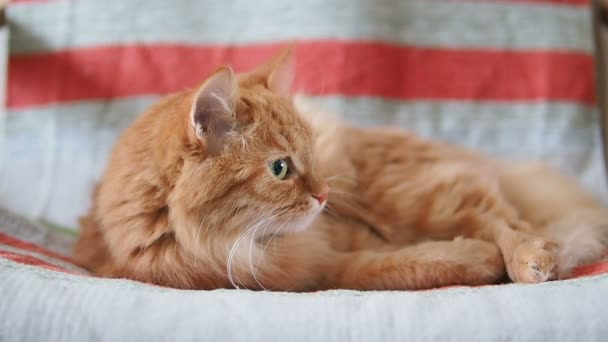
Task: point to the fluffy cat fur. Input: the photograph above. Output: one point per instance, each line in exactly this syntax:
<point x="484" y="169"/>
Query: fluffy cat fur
<point x="188" y="200"/>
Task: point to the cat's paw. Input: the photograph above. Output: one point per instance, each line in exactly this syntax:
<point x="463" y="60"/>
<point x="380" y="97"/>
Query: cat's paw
<point x="533" y="261"/>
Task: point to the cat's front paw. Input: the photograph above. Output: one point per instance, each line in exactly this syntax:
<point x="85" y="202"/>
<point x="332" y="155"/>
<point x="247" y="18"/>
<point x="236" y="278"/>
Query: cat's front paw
<point x="533" y="261"/>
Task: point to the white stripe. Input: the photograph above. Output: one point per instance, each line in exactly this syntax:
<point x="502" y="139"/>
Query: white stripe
<point x="55" y="25"/>
<point x="562" y="133"/>
<point x="48" y="169"/>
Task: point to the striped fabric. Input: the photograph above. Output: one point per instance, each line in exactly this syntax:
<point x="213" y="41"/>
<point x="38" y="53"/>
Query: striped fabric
<point x="512" y="78"/>
<point x="25" y="253"/>
<point x="26" y="243"/>
<point x="29" y="254"/>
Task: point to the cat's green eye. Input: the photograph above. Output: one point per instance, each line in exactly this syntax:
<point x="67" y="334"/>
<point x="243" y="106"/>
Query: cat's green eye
<point x="279" y="168"/>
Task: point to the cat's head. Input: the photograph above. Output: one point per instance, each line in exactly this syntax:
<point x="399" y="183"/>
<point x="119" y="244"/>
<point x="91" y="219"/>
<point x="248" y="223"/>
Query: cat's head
<point x="250" y="164"/>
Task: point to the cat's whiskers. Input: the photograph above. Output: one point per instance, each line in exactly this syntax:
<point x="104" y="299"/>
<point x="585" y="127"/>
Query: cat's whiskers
<point x="342" y="193"/>
<point x="331" y="210"/>
<point x="294" y="126"/>
<point x="272" y="236"/>
<point x="250" y="231"/>
<point x="346" y="202"/>
<point x="233" y="251"/>
<point x="267" y="222"/>
<point x="232" y="210"/>
<point x="279" y="213"/>
<point x="341" y="178"/>
<point x="243" y="142"/>
<point x="197" y="237"/>
<point x="264" y="232"/>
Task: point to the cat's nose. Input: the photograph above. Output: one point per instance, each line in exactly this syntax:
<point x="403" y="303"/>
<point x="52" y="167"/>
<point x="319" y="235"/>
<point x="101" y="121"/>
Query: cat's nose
<point x="322" y="197"/>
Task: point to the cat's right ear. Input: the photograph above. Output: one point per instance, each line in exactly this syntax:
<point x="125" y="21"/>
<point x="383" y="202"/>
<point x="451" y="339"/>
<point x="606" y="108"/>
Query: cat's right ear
<point x="212" y="113"/>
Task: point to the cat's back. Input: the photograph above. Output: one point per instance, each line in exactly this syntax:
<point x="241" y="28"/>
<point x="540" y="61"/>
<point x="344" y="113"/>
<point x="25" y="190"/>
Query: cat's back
<point x="158" y="121"/>
<point x="131" y="182"/>
<point x="139" y="152"/>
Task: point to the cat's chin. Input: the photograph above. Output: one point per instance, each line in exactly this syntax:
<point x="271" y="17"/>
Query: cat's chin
<point x="293" y="225"/>
<point x="305" y="222"/>
<point x="302" y="223"/>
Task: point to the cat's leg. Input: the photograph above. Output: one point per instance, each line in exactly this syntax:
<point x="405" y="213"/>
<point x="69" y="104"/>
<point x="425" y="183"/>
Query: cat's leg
<point x="339" y="253"/>
<point x="528" y="258"/>
<point x="558" y="209"/>
<point x="544" y="223"/>
<point x="476" y="208"/>
<point x="422" y="266"/>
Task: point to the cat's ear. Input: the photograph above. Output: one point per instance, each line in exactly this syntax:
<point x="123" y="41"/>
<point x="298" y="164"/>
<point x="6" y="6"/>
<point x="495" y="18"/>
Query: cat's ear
<point x="281" y="71"/>
<point x="212" y="112"/>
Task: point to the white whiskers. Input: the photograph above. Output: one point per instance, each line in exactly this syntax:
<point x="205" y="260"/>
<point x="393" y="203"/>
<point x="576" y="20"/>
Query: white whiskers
<point x="271" y="239"/>
<point x="341" y="178"/>
<point x="266" y="222"/>
<point x="342" y="193"/>
<point x="233" y="252"/>
<point x="331" y="210"/>
<point x="250" y="232"/>
<point x="197" y="237"/>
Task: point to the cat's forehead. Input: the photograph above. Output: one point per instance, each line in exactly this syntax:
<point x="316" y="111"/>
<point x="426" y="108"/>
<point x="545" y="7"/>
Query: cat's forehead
<point x="275" y="111"/>
<point x="277" y="121"/>
<point x="290" y="128"/>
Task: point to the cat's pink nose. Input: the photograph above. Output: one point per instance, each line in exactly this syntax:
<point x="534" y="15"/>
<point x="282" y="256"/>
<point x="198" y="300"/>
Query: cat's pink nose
<point x="322" y="197"/>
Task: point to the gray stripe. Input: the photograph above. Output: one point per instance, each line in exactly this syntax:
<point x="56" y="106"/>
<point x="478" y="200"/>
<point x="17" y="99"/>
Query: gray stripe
<point x="505" y="126"/>
<point x="84" y="133"/>
<point x="562" y="133"/>
<point x="39" y="27"/>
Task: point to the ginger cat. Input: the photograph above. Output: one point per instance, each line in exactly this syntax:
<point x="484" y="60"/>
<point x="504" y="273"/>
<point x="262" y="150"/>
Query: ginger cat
<point x="231" y="185"/>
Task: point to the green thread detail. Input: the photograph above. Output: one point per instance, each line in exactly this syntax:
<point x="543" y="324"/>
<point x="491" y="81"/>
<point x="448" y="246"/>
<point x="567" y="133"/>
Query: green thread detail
<point x="58" y="228"/>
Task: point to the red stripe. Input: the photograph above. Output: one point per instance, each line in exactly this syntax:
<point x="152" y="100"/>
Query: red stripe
<point x="560" y="2"/>
<point x="30" y="260"/>
<point x="591" y="270"/>
<point x="26" y="1"/>
<point x="323" y="68"/>
<point x="551" y="2"/>
<point x="14" y="242"/>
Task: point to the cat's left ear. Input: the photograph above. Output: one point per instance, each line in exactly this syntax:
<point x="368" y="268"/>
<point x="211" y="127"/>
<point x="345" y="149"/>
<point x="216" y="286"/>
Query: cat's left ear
<point x="212" y="112"/>
<point x="281" y="72"/>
